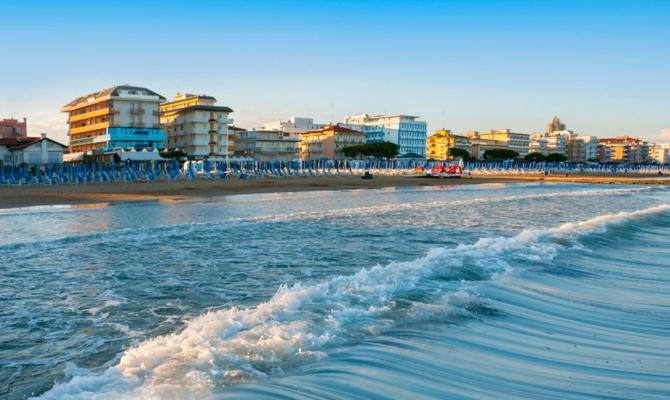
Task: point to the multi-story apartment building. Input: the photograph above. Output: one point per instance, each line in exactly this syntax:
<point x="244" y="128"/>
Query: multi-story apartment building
<point x="267" y="145"/>
<point x="196" y="126"/>
<point x="479" y="145"/>
<point x="552" y="142"/>
<point x="404" y="130"/>
<point x="519" y="142"/>
<point x="625" y="149"/>
<point x="118" y="117"/>
<point x="293" y="126"/>
<point x="439" y="145"/>
<point x="329" y="142"/>
<point x="582" y="148"/>
<point x="12" y="128"/>
<point x="661" y="153"/>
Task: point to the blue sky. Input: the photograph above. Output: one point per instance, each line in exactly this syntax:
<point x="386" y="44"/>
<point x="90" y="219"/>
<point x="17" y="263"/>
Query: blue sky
<point x="602" y="66"/>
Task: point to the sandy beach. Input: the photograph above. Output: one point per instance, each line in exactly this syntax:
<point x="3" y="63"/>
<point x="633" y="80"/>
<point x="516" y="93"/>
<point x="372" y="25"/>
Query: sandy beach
<point x="12" y="197"/>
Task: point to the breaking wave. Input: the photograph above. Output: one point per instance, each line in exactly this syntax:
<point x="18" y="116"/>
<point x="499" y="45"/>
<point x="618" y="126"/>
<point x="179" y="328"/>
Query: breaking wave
<point x="302" y="323"/>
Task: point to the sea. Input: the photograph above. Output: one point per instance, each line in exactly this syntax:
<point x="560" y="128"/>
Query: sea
<point x="492" y="291"/>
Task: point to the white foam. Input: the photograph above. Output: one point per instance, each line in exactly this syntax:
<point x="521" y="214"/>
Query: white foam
<point x="372" y="210"/>
<point x="300" y="323"/>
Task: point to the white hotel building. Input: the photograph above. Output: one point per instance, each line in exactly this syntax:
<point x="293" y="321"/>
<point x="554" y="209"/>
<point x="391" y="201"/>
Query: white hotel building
<point x="404" y="130"/>
<point x="293" y="126"/>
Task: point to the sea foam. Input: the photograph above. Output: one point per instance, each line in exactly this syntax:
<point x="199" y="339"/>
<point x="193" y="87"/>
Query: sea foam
<point x="301" y="323"/>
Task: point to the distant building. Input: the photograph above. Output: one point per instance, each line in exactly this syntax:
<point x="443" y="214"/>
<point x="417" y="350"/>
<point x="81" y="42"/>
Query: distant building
<point x="552" y="142"/>
<point x="125" y="117"/>
<point x="519" y="142"/>
<point x="440" y="145"/>
<point x="31" y="151"/>
<point x="625" y="149"/>
<point x="407" y="131"/>
<point x="554" y="125"/>
<point x="661" y="153"/>
<point x="479" y="145"/>
<point x="12" y="128"/>
<point x="328" y="143"/>
<point x="582" y="148"/>
<point x="196" y="126"/>
<point x="267" y="145"/>
<point x="293" y="126"/>
<point x="233" y="133"/>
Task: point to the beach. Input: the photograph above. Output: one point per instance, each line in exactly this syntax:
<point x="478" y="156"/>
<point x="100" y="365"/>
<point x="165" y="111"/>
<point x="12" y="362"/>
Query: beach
<point x="185" y="190"/>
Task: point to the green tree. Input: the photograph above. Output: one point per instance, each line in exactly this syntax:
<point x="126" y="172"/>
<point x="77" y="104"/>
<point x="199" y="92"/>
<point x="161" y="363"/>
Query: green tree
<point x="172" y="154"/>
<point x="458" y="152"/>
<point x="500" y="154"/>
<point x="535" y="157"/>
<point x="556" y="157"/>
<point x="375" y="149"/>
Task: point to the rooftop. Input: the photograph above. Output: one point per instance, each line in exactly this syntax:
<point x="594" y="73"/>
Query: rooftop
<point x="108" y="93"/>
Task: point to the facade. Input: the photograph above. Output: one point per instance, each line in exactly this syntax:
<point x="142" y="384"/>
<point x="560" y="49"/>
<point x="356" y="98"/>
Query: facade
<point x="196" y="126"/>
<point x="267" y="145"/>
<point x="328" y="143"/>
<point x="404" y="130"/>
<point x="440" y="144"/>
<point x="661" y="153"/>
<point x="553" y="142"/>
<point x="625" y="149"/>
<point x="478" y="145"/>
<point x="519" y="142"/>
<point x="119" y="117"/>
<point x="31" y="150"/>
<point x="12" y="128"/>
<point x="554" y="126"/>
<point x="293" y="126"/>
<point x="582" y="148"/>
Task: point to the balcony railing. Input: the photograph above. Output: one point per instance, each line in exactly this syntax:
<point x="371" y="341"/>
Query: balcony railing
<point x="137" y="111"/>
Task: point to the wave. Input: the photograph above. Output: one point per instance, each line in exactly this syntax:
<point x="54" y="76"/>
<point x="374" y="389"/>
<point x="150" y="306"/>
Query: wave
<point x="301" y="323"/>
<point x="370" y="210"/>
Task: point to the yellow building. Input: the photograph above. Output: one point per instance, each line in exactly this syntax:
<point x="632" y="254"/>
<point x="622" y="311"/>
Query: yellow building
<point x="328" y="143"/>
<point x="196" y="126"/>
<point x="518" y="142"/>
<point x="439" y="145"/>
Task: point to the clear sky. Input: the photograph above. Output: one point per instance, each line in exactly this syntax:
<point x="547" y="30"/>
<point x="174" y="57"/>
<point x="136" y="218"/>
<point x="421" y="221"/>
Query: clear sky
<point x="602" y="66"/>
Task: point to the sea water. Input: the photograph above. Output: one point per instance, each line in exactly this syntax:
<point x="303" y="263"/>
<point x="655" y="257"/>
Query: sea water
<point x="544" y="291"/>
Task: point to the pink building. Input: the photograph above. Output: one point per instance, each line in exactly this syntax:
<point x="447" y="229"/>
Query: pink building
<point x="12" y="128"/>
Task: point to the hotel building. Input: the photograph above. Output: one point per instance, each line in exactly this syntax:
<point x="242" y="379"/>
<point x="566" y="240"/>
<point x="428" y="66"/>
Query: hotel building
<point x="12" y="128"/>
<point x="661" y="153"/>
<point x="479" y="145"/>
<point x="404" y="130"/>
<point x="267" y="145"/>
<point x="196" y="126"/>
<point x="439" y="145"/>
<point x="625" y="149"/>
<point x="582" y="148"/>
<point x="328" y="143"/>
<point x="293" y="126"/>
<point x="119" y="117"/>
<point x="519" y="142"/>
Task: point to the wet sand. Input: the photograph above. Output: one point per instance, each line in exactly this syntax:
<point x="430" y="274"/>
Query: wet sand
<point x="183" y="190"/>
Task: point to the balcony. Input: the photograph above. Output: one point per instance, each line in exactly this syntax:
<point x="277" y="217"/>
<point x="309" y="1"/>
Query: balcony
<point x="137" y="111"/>
<point x="88" y="128"/>
<point x="137" y="124"/>
<point x="92" y="114"/>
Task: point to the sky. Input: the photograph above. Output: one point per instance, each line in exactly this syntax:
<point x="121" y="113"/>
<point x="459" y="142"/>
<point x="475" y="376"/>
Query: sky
<point x="602" y="66"/>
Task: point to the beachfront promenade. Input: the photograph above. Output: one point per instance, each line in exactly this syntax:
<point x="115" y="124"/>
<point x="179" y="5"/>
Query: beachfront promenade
<point x="129" y="172"/>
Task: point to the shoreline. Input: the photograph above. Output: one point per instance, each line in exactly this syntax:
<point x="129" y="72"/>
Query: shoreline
<point x="183" y="190"/>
